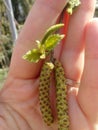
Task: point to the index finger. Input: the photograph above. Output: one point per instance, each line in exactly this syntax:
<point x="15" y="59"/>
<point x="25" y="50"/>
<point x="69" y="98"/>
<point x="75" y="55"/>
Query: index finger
<point x="42" y="15"/>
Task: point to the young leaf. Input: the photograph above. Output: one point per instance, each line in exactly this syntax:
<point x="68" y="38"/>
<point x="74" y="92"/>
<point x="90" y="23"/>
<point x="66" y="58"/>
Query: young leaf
<point x="32" y="55"/>
<point x="72" y="4"/>
<point x="48" y="43"/>
<point x="52" y="41"/>
<point x="50" y="31"/>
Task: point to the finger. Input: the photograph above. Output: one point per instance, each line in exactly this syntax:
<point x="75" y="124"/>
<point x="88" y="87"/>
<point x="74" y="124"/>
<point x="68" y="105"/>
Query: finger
<point x="88" y="92"/>
<point x="73" y="50"/>
<point x="43" y="14"/>
<point x="77" y="118"/>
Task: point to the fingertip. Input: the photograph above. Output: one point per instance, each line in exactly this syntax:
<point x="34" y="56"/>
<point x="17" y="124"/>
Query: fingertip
<point x="91" y="30"/>
<point x="92" y="26"/>
<point x="91" y="36"/>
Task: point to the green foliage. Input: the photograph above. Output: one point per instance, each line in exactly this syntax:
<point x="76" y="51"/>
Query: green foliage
<point x="4" y="24"/>
<point x="49" y="41"/>
<point x="3" y="75"/>
<point x="51" y="30"/>
<point x="5" y="38"/>
<point x="21" y="9"/>
<point x="52" y="41"/>
<point x="32" y="55"/>
<point x="5" y="50"/>
<point x="72" y="4"/>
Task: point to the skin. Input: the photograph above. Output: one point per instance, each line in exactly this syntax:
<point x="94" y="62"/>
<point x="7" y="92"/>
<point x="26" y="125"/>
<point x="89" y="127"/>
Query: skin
<point x="19" y="104"/>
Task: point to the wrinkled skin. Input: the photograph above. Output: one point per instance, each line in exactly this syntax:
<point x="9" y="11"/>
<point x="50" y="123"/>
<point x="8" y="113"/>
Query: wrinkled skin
<point x="19" y="104"/>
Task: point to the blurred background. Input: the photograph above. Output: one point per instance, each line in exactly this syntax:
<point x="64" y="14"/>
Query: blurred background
<point x="13" y="14"/>
<point x="12" y="17"/>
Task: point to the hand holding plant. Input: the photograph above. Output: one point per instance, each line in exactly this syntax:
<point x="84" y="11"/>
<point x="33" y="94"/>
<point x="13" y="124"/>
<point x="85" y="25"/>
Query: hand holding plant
<point x="19" y="107"/>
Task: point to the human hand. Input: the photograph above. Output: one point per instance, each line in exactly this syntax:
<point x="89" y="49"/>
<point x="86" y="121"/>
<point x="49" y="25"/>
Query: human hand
<point x="19" y="107"/>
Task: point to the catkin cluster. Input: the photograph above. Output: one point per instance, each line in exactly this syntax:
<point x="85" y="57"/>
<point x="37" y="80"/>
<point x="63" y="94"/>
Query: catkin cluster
<point x="61" y="94"/>
<point x="45" y="105"/>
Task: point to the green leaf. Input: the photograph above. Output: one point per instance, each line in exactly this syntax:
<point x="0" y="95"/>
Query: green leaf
<point x="52" y="41"/>
<point x="44" y="46"/>
<point x="32" y="55"/>
<point x="51" y="30"/>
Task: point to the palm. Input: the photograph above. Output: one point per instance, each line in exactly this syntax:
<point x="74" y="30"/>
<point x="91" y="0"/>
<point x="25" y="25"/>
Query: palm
<point x="26" y="104"/>
<point x="21" y="88"/>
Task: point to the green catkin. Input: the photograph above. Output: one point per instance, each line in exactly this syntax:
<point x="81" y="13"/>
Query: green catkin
<point x="61" y="97"/>
<point x="44" y="92"/>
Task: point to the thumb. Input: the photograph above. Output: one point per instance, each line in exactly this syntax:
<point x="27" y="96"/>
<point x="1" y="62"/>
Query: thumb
<point x="88" y="91"/>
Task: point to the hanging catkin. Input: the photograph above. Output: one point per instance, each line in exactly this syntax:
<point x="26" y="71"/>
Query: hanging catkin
<point x="44" y="92"/>
<point x="61" y="97"/>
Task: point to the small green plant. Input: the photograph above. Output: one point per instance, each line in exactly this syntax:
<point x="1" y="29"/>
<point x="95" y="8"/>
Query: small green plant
<point x="45" y="49"/>
<point x="45" y="46"/>
<point x="5" y="51"/>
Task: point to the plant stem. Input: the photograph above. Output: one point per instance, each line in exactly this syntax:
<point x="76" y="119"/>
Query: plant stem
<point x="65" y="20"/>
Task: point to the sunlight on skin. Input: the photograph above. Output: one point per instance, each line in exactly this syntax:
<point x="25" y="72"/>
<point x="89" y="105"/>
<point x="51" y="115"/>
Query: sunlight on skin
<point x="19" y="98"/>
